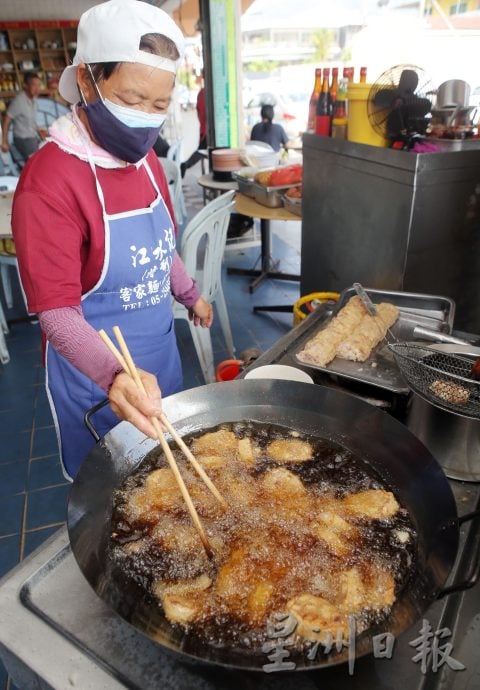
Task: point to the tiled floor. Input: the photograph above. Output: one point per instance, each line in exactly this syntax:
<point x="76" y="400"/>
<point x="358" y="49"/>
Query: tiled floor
<point x="33" y="491"/>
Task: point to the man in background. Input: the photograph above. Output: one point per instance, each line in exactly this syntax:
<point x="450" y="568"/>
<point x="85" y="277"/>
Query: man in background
<point x="22" y="111"/>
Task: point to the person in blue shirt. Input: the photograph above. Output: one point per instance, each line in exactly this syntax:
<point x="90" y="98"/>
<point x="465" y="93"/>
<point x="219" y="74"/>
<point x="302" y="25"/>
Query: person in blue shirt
<point x="267" y="131"/>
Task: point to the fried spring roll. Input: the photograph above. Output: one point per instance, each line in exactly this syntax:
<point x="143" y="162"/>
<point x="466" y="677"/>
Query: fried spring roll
<point x="321" y="349"/>
<point x="358" y="346"/>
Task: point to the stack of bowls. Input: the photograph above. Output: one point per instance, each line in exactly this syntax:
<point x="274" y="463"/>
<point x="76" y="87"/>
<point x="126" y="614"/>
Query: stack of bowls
<point x="261" y="154"/>
<point x="224" y="162"/>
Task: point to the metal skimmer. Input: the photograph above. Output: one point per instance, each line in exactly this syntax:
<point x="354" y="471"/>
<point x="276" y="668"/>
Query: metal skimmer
<point x="443" y="379"/>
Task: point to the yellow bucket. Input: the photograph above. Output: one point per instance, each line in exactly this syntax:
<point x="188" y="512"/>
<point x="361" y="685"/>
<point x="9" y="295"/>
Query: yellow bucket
<point x="359" y="128"/>
<point x="299" y="315"/>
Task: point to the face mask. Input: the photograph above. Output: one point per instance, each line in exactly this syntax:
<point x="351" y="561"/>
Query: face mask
<point x="135" y="118"/>
<point x="129" y="144"/>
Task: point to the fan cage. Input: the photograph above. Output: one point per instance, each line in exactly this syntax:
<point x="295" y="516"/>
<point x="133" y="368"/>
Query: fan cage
<point x="390" y="79"/>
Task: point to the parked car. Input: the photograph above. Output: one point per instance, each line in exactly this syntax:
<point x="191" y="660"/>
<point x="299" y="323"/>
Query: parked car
<point x="291" y="111"/>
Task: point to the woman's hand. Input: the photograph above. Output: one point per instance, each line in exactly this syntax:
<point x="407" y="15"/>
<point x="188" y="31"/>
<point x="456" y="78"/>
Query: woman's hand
<point x="131" y="405"/>
<point x="201" y="313"/>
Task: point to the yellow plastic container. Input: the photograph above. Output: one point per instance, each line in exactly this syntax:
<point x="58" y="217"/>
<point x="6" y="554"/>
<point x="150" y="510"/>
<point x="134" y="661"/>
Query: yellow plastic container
<point x="305" y="301"/>
<point x="359" y="128"/>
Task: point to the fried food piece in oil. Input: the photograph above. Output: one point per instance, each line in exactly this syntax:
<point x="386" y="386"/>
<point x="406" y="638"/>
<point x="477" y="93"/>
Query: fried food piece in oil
<point x="281" y="482"/>
<point x="216" y="443"/>
<point x="198" y="584"/>
<point x="183" y="608"/>
<point x="335" y="532"/>
<point x="286" y="496"/>
<point x="373" y="504"/>
<point x="159" y="492"/>
<point x="247" y="451"/>
<point x="183" y="601"/>
<point x="258" y="601"/>
<point x="289" y="450"/>
<point x="317" y="618"/>
<point x="211" y="462"/>
<point x="245" y="584"/>
<point x="368" y="588"/>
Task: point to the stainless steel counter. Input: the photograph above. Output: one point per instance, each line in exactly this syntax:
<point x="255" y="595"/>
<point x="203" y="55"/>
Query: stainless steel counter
<point x="56" y="633"/>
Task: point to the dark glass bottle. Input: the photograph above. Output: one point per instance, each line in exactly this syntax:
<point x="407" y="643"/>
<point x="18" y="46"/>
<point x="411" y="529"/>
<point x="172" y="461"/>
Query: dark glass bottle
<point x="334" y="87"/>
<point x="322" y="126"/>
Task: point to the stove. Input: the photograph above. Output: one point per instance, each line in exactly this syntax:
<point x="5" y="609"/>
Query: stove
<point x="56" y="633"/>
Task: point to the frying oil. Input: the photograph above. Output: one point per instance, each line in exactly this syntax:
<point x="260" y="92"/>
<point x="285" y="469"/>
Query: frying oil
<point x="286" y="533"/>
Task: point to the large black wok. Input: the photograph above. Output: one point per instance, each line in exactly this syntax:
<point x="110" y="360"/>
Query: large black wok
<point x="404" y="463"/>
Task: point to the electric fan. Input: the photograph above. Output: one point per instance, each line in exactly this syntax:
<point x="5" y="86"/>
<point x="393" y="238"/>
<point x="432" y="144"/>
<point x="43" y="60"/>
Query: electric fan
<point x="398" y="104"/>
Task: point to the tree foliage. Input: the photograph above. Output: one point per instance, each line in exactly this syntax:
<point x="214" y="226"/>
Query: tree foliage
<point x="323" y="40"/>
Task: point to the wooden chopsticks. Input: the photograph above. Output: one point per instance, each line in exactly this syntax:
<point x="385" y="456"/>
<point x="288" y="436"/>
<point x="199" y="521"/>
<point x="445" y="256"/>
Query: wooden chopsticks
<point x="129" y="367"/>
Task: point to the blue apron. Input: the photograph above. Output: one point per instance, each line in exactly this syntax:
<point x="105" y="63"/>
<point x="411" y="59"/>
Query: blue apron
<point x="133" y="292"/>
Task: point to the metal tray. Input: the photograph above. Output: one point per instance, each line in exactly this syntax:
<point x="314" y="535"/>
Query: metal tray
<point x="270" y="196"/>
<point x="267" y="196"/>
<point x="433" y="312"/>
<point x="292" y="205"/>
<point x="244" y="179"/>
<point x="245" y="185"/>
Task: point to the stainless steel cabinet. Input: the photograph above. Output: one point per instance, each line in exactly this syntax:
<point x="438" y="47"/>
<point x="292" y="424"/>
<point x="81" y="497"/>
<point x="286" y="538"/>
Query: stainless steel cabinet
<point x="392" y="219"/>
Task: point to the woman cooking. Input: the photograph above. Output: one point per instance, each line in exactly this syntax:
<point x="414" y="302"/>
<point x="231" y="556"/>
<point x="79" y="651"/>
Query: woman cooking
<point x="94" y="231"/>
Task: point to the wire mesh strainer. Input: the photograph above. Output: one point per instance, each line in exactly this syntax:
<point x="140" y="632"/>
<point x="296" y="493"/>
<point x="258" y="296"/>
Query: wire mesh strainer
<point x="441" y="378"/>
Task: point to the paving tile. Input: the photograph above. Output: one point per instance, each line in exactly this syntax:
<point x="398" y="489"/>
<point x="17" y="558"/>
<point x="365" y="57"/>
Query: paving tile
<point x="41" y="398"/>
<point x="9" y="557"/>
<point x="13" y="478"/>
<point x="24" y="338"/>
<point x="47" y="507"/>
<point x="44" y="442"/>
<point x="40" y="374"/>
<point x="11" y="514"/>
<point x="19" y="377"/>
<point x="35" y="538"/>
<point x="24" y="359"/>
<point x="14" y="446"/>
<point x="45" y="472"/>
<point x="15" y="399"/>
<point x="42" y="413"/>
<point x="15" y="420"/>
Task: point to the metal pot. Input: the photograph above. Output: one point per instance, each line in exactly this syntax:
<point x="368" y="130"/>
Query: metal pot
<point x="453" y="116"/>
<point x="453" y="92"/>
<point x="452" y="439"/>
<point x="392" y="450"/>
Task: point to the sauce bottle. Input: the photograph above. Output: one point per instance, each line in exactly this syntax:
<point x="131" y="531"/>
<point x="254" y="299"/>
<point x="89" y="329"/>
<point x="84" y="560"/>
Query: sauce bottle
<point x="312" y="107"/>
<point x="322" y="125"/>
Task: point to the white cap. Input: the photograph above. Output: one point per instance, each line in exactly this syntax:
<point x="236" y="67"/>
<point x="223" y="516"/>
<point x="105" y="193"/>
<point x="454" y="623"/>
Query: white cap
<point x="111" y="32"/>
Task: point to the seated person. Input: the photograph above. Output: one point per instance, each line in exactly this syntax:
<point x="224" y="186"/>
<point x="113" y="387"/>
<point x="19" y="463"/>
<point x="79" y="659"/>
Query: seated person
<point x="267" y="131"/>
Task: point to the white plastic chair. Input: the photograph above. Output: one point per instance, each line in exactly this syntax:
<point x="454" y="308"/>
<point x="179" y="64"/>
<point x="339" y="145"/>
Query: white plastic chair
<point x="207" y="232"/>
<point x="174" y="180"/>
<point x="174" y="154"/>
<point x="4" y="355"/>
<point x="8" y="183"/>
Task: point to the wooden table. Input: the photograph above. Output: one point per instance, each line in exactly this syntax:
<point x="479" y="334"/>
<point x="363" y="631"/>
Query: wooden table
<point x="208" y="182"/>
<point x="268" y="267"/>
<point x="215" y="187"/>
